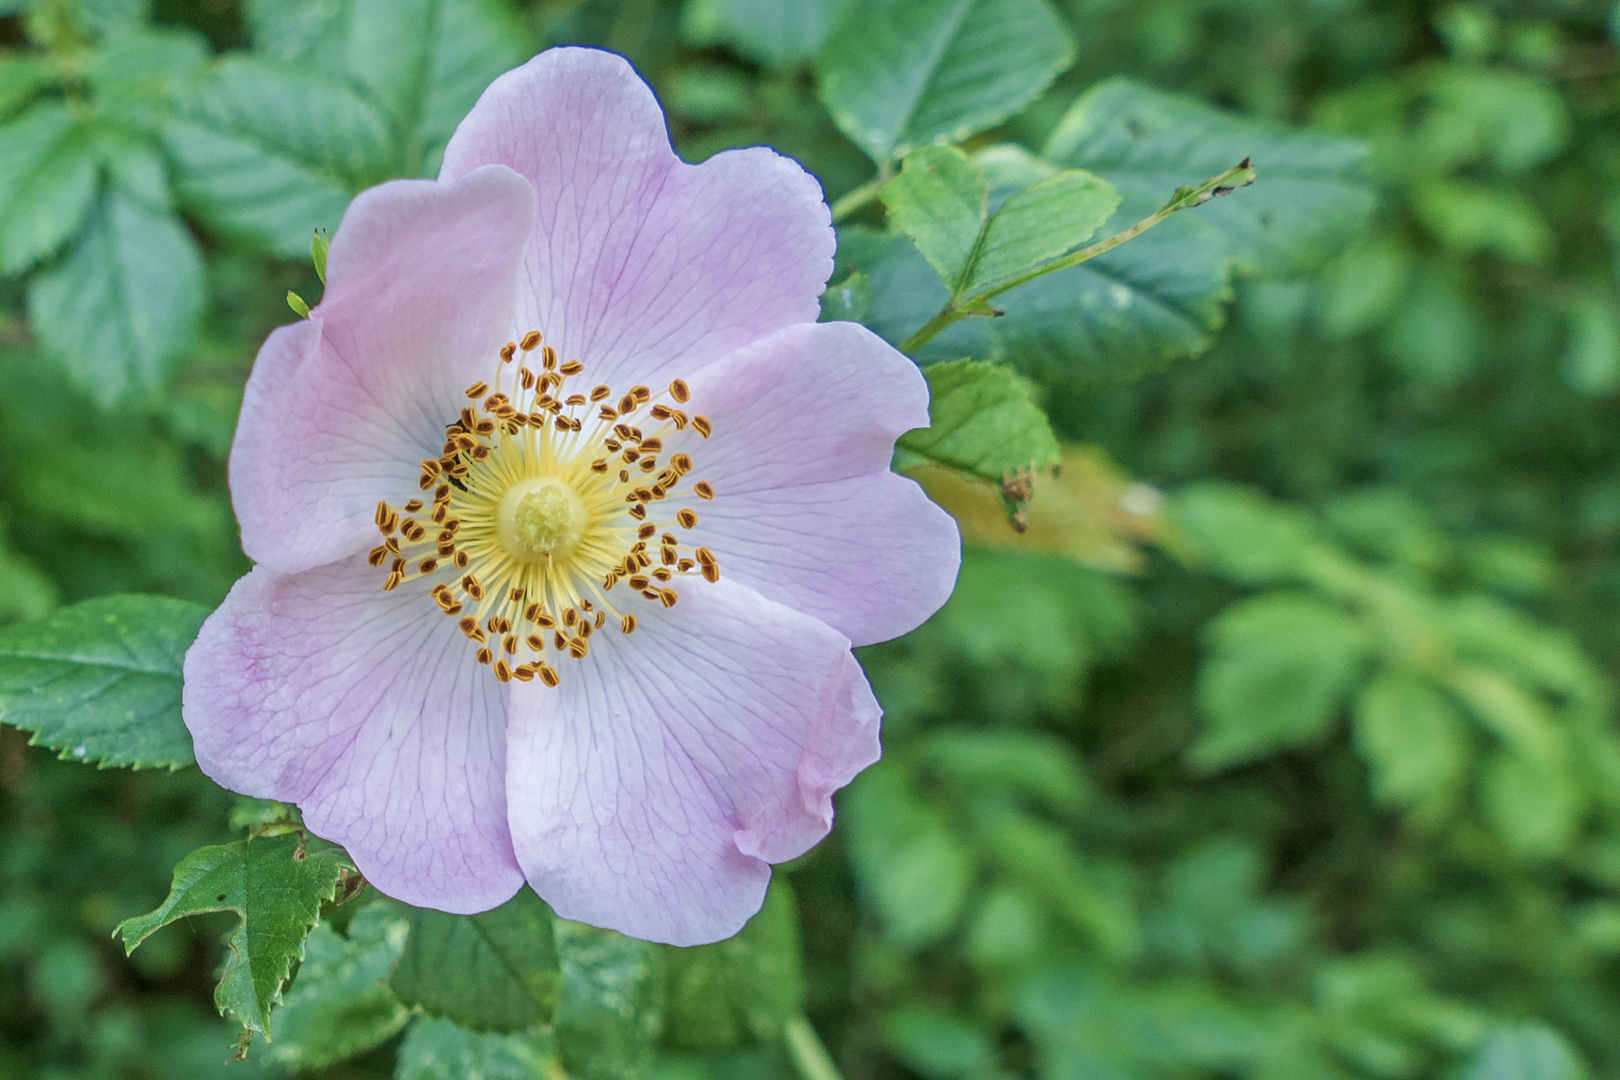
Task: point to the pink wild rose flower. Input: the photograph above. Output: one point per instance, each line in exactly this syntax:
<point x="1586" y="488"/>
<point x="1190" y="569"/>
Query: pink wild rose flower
<point x="566" y="513"/>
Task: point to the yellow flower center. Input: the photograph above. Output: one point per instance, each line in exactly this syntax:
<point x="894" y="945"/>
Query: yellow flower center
<point x="541" y="510"/>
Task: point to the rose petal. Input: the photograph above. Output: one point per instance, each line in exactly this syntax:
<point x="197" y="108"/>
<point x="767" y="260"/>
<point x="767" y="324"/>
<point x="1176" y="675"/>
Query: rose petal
<point x="650" y="790"/>
<point x="370" y="712"/>
<point x="643" y="267"/>
<point x="341" y="408"/>
<point x="807" y="511"/>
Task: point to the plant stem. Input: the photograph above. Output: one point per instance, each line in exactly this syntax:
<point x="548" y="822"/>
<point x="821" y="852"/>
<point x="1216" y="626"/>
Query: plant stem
<point x="862" y="195"/>
<point x="978" y="304"/>
<point x="810" y="1058"/>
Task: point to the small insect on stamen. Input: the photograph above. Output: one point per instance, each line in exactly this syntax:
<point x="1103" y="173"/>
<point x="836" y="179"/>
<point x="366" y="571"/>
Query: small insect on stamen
<point x="678" y="390"/>
<point x="531" y="340"/>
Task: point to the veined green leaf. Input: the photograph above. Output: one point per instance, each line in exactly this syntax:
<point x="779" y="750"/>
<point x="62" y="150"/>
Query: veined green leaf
<point x="122" y="304"/>
<point x="781" y="33"/>
<point x="423" y="62"/>
<point x="899" y="74"/>
<point x="340" y="1004"/>
<point x="1414" y="740"/>
<point x="273" y="153"/>
<point x="611" y="1011"/>
<point x="938" y="200"/>
<point x="738" y="990"/>
<point x="984" y="422"/>
<point x="496" y="971"/>
<point x="277" y="886"/>
<point x="1041" y="223"/>
<point x="436" y="1049"/>
<point x="21" y="79"/>
<point x="100" y="681"/>
<point x="47" y="183"/>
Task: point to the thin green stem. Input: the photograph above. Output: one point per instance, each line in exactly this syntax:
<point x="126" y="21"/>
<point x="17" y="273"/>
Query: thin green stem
<point x="855" y="200"/>
<point x="978" y="304"/>
<point x="810" y="1058"/>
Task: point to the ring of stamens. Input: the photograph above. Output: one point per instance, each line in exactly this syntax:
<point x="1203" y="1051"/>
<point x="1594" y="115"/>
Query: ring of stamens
<point x="544" y="503"/>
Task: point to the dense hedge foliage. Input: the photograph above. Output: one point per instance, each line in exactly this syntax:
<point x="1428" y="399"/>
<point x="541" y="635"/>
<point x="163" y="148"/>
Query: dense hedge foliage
<point x="1281" y="744"/>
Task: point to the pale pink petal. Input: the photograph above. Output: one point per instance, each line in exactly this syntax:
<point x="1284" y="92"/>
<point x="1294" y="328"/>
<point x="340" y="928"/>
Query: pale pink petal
<point x="341" y="408"/>
<point x="643" y="267"/>
<point x="369" y="712"/>
<point x="807" y="511"/>
<point x="652" y="788"/>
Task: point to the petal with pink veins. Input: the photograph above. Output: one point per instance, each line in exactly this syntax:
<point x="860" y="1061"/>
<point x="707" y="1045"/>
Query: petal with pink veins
<point x="643" y="267"/>
<point x="369" y="711"/>
<point x="342" y="408"/>
<point x="650" y="791"/>
<point x="807" y="511"/>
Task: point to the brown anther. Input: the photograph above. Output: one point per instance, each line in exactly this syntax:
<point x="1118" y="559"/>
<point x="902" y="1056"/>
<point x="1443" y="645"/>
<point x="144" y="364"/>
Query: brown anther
<point x="548" y="675"/>
<point x="599" y="465"/>
<point x="601" y="617"/>
<point x="377" y="556"/>
<point x="469" y="583"/>
<point x="523" y="673"/>
<point x="570" y="617"/>
<point x="484" y="427"/>
<point x="462" y="559"/>
<point x="430" y="467"/>
<point x="607" y="412"/>
<point x="507" y="352"/>
<point x="710" y="572"/>
<point x="659" y="412"/>
<point x="394" y="578"/>
<point x="485" y="656"/>
<point x="479" y="389"/>
<point x="702" y="426"/>
<point x="427" y="566"/>
<point x="575" y="400"/>
<point x="638" y="512"/>
<point x="679" y="391"/>
<point x="628" y="625"/>
<point x="647" y="531"/>
<point x="535" y="642"/>
<point x="679" y="418"/>
<point x="662" y="573"/>
<point x="526" y="378"/>
<point x="443" y="494"/>
<point x="688" y="518"/>
<point x="398" y="567"/>
<point x="516" y="596"/>
<point x="601" y="393"/>
<point x="681" y="463"/>
<point x="624" y="476"/>
<point x="685" y="565"/>
<point x="439" y="512"/>
<point x="573" y="367"/>
<point x="704" y="489"/>
<point x="453" y="609"/>
<point x="413" y="531"/>
<point x="648" y="464"/>
<point x="544" y="621"/>
<point x="626" y="403"/>
<point x="469" y="626"/>
<point x="413" y="506"/>
<point x="631" y="456"/>
<point x="549" y="356"/>
<point x="667" y="597"/>
<point x="509" y="643"/>
<point x="559" y="641"/>
<point x="641" y="394"/>
<point x="530" y="340"/>
<point x="392" y="544"/>
<point x="480" y="453"/>
<point x="638" y="582"/>
<point x="578" y="647"/>
<point x="586" y="630"/>
<point x="532" y="612"/>
<point x="503" y="671"/>
<point x="667" y="556"/>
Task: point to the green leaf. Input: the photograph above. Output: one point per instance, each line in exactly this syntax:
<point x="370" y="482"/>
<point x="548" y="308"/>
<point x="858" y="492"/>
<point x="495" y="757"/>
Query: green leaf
<point x="437" y="1049"/>
<point x="1311" y="198"/>
<point x="340" y="1004"/>
<point x="21" y="80"/>
<point x="496" y="971"/>
<point x="780" y="33"/>
<point x="739" y="990"/>
<point x="47" y="183"/>
<point x="1524" y="1052"/>
<point x="1592" y="352"/>
<point x="100" y="681"/>
<point x="984" y="422"/>
<point x="423" y="62"/>
<point x="910" y="864"/>
<point x="136" y="75"/>
<point x="1241" y="534"/>
<point x="938" y="200"/>
<point x="904" y="73"/>
<point x="1037" y="767"/>
<point x="1042" y="223"/>
<point x="1281" y="665"/>
<point x="121" y="306"/>
<point x="277" y="887"/>
<point x="1532" y="804"/>
<point x="848" y="301"/>
<point x="611" y="1010"/>
<point x="271" y="153"/>
<point x="1414" y="741"/>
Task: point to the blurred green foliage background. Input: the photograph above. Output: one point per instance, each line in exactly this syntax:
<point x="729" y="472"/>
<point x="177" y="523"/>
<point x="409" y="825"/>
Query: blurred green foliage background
<point x="1297" y="762"/>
